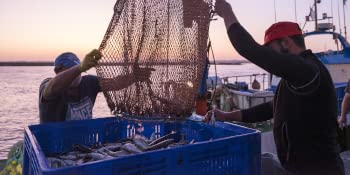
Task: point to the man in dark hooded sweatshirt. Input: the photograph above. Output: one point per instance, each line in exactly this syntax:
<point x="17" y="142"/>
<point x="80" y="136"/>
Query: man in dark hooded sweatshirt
<point x="304" y="108"/>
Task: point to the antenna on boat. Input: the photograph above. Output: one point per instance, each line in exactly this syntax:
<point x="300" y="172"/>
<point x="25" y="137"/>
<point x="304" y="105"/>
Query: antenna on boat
<point x="274" y="5"/>
<point x="334" y="36"/>
<point x="295" y="11"/>
<point x="345" y="33"/>
<point x="316" y="22"/>
<point x="332" y="13"/>
<point x="313" y="15"/>
<point x="339" y="19"/>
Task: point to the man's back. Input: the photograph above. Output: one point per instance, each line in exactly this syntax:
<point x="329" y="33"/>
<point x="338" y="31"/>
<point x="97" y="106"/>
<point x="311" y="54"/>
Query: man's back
<point x="305" y="123"/>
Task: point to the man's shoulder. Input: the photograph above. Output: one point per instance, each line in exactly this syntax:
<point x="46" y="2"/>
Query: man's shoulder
<point x="44" y="82"/>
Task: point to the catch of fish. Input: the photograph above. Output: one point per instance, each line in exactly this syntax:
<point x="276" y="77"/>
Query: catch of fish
<point x="134" y="145"/>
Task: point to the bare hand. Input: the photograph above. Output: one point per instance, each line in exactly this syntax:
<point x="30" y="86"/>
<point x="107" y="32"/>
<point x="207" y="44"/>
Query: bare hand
<point x="219" y="115"/>
<point x="223" y="8"/>
<point x="224" y="116"/>
<point x="342" y="120"/>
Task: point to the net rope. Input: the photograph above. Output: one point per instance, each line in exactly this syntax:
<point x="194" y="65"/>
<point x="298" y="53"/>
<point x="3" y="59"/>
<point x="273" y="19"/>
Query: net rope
<point x="168" y="37"/>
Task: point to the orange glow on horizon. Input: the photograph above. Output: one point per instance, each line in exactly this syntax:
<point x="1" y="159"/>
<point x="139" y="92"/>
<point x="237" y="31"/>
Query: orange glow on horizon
<point x="39" y="30"/>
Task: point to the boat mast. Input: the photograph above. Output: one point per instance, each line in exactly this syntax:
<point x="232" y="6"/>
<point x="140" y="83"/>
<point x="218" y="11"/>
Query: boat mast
<point x="345" y="33"/>
<point x="274" y="4"/>
<point x="339" y="20"/>
<point x="316" y="1"/>
<point x="295" y="11"/>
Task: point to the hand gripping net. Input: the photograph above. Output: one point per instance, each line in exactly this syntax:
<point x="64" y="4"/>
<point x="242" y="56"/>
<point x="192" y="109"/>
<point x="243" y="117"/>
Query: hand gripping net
<point x="169" y="36"/>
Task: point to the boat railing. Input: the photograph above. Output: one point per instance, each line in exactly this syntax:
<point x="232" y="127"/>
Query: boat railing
<point x="262" y="78"/>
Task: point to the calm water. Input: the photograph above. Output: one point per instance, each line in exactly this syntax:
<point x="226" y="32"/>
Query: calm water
<point x="19" y="98"/>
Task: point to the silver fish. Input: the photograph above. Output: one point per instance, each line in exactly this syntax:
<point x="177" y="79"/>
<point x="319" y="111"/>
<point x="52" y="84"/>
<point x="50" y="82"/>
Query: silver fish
<point x="68" y="157"/>
<point x="115" y="147"/>
<point x="168" y="136"/>
<point x="162" y="144"/>
<point x="80" y="161"/>
<point x="153" y="137"/>
<point x="120" y="153"/>
<point x="98" y="156"/>
<point x="138" y="136"/>
<point x="55" y="162"/>
<point x="70" y="162"/>
<point x="131" y="148"/>
<point x="83" y="148"/>
<point x="141" y="143"/>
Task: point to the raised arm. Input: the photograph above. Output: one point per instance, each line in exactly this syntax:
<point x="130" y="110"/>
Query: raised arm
<point x="292" y="68"/>
<point x="60" y="82"/>
<point x="64" y="79"/>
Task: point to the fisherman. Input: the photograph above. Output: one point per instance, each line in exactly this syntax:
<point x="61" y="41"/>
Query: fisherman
<point x="70" y="96"/>
<point x="345" y="107"/>
<point x="304" y="108"/>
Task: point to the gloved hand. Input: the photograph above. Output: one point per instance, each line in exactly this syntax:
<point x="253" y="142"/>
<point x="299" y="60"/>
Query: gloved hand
<point x="90" y="60"/>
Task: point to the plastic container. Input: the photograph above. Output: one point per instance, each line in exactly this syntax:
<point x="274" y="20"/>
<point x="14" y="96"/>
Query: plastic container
<point x="223" y="149"/>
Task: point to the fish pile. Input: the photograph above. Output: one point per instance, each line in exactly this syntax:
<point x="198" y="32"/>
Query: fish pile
<point x="134" y="145"/>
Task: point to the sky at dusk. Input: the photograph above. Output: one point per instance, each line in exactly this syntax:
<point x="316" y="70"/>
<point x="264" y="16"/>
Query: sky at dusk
<point x="39" y="30"/>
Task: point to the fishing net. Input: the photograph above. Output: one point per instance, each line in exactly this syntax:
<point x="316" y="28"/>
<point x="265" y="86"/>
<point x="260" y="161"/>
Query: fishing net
<point x="164" y="38"/>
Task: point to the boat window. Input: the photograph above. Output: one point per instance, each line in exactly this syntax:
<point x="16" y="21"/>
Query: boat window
<point x="323" y="44"/>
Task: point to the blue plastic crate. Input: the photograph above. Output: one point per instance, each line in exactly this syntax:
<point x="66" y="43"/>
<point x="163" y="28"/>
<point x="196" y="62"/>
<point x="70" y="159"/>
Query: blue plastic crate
<point x="223" y="149"/>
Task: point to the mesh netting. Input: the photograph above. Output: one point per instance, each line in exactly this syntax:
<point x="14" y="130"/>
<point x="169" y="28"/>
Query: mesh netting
<point x="169" y="36"/>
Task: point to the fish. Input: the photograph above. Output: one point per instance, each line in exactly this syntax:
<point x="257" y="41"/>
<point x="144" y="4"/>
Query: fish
<point x="141" y="137"/>
<point x="83" y="148"/>
<point x="113" y="147"/>
<point x="162" y="144"/>
<point x="98" y="156"/>
<point x="68" y="157"/>
<point x="141" y="143"/>
<point x="136" y="144"/>
<point x="168" y="136"/>
<point x="120" y="153"/>
<point x="55" y="162"/>
<point x="131" y="148"/>
<point x="70" y="162"/>
<point x="153" y="137"/>
<point x="80" y="161"/>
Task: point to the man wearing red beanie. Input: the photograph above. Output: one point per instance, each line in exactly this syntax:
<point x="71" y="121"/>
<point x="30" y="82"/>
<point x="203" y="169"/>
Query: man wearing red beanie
<point x="304" y="108"/>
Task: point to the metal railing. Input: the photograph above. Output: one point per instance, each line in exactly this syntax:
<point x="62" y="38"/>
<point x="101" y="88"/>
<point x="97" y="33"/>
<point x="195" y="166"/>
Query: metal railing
<point x="264" y="78"/>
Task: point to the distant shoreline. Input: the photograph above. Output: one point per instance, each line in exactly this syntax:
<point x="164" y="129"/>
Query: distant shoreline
<point x="40" y="63"/>
<point x="229" y="62"/>
<point x="23" y="63"/>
